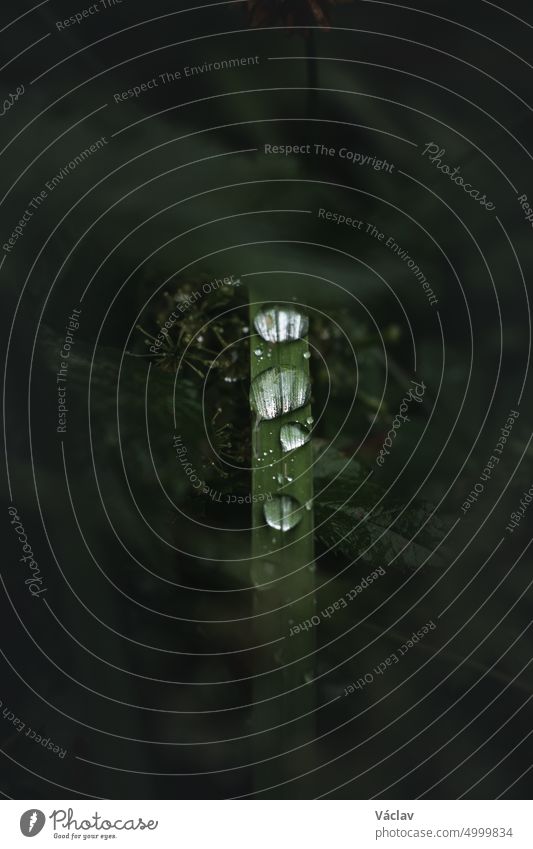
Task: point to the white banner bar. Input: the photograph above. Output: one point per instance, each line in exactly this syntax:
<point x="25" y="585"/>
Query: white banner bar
<point x="268" y="824"/>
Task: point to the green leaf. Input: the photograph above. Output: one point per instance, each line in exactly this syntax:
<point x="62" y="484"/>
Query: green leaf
<point x="356" y="520"/>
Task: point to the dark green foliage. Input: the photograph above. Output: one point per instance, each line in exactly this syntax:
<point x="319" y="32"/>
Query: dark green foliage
<point x="356" y="520"/>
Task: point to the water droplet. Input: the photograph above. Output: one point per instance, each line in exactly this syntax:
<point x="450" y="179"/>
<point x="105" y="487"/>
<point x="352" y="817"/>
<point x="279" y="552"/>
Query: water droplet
<point x="277" y="391"/>
<point x="258" y="352"/>
<point x="293" y="435"/>
<point x="281" y="324"/>
<point x="307" y="355"/>
<point x="283" y="513"/>
<point x="309" y="505"/>
<point x="310" y="421"/>
<point x="284" y="479"/>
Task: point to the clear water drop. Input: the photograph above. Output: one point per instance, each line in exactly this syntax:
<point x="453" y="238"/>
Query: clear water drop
<point x="258" y="352"/>
<point x="309" y="505"/>
<point x="293" y="435"/>
<point x="281" y="324"/>
<point x="307" y="355"/>
<point x="283" y="513"/>
<point x="277" y="391"/>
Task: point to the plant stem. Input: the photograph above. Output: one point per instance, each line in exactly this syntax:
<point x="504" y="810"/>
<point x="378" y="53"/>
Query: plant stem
<point x="282" y="571"/>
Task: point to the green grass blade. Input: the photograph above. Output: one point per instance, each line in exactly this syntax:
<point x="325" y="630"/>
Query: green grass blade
<point x="282" y="571"/>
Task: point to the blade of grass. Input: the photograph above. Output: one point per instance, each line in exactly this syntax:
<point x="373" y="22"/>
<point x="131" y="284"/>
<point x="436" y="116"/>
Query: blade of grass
<point x="283" y="575"/>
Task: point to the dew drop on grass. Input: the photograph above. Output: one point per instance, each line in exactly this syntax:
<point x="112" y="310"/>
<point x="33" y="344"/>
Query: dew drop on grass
<point x="281" y="324"/>
<point x="307" y="355"/>
<point x="283" y="513"/>
<point x="293" y="435"/>
<point x="277" y="391"/>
